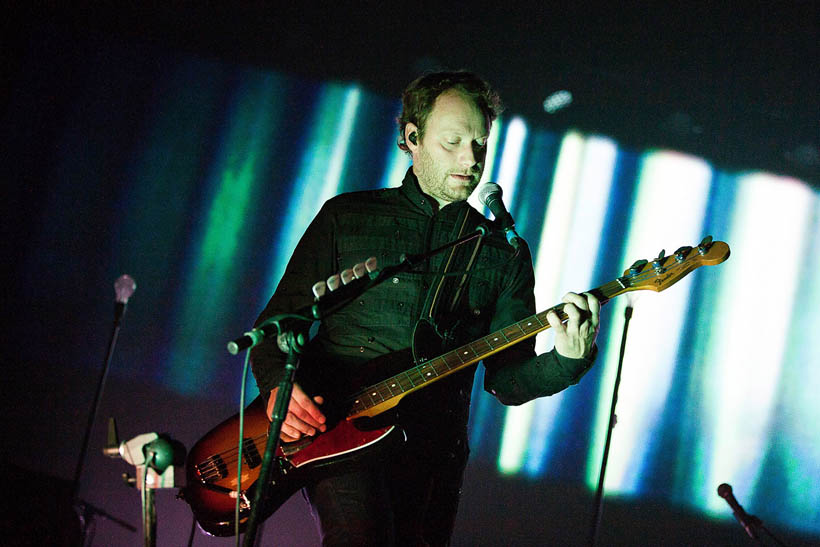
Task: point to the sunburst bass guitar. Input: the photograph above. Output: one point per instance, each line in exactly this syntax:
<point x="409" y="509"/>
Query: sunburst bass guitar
<point x="353" y="423"/>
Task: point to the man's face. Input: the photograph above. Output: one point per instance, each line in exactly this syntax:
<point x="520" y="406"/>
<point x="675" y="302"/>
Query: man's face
<point x="449" y="159"/>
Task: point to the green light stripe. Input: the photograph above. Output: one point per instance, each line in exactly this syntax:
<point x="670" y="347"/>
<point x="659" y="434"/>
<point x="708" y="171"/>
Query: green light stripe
<point x="211" y="282"/>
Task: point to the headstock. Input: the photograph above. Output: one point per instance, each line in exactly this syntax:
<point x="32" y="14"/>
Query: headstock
<point x="665" y="271"/>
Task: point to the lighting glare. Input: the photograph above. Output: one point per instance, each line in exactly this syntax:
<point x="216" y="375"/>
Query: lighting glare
<point x="557" y="101"/>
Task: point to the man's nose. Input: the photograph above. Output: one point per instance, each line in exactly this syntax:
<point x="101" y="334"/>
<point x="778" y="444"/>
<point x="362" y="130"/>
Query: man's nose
<point x="467" y="157"/>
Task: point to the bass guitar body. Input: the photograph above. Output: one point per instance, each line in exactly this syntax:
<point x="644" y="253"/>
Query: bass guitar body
<point x="211" y="465"/>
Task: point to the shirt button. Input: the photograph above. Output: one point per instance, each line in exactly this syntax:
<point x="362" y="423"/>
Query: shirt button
<point x="476" y="311"/>
<point x="371" y="339"/>
<point x="361" y="302"/>
<point x="395" y="280"/>
<point x="361" y="349"/>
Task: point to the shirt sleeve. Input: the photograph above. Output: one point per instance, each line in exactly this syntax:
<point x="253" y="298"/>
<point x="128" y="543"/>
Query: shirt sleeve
<point x="517" y="375"/>
<point x="313" y="260"/>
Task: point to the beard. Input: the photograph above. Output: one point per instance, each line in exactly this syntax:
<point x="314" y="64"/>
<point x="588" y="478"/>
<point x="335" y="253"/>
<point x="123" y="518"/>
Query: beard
<point x="435" y="180"/>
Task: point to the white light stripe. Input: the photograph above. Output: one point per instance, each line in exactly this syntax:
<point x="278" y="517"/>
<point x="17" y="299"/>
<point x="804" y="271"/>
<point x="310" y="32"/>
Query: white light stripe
<point x="587" y="221"/>
<point x="340" y="144"/>
<point x="668" y="213"/>
<point x="510" y="163"/>
<point x="489" y="162"/>
<point x="548" y="264"/>
<point x="751" y="320"/>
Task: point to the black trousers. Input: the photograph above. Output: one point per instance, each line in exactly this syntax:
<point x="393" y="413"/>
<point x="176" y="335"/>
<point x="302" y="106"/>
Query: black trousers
<point x="407" y="496"/>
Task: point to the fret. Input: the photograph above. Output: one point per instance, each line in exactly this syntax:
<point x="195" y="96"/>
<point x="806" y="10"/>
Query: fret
<point x="393" y="386"/>
<point x="404" y="381"/>
<point x="357" y="406"/>
<point x="375" y="396"/>
<point x="452" y="359"/>
<point x="495" y="340"/>
<point x="427" y="372"/>
<point x="363" y="400"/>
<point x="466" y="353"/>
<point x="383" y="390"/>
<point x="415" y="377"/>
<point x="529" y="325"/>
<point x="440" y="366"/>
<point x="512" y="332"/>
<point x="483" y="346"/>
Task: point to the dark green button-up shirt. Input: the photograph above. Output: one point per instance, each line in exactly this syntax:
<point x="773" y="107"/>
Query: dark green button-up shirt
<point x="497" y="292"/>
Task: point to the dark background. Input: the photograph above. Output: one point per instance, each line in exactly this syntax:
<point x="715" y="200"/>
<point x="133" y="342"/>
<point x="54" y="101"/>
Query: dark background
<point x="735" y="85"/>
<point x="738" y="87"/>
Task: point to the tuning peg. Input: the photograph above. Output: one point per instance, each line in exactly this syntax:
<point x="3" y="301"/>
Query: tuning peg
<point x="704" y="245"/>
<point x="657" y="264"/>
<point x="636" y="268"/>
<point x="680" y="254"/>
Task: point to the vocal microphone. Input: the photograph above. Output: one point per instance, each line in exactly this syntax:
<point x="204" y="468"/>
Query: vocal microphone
<point x="124" y="287"/>
<point x="749" y="522"/>
<point x="489" y="195"/>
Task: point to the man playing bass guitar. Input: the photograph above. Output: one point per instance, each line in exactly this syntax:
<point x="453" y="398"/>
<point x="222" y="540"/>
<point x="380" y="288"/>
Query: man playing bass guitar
<point x="410" y="494"/>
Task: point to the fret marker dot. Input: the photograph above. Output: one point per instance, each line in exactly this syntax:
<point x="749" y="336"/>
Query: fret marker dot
<point x="495" y="339"/>
<point x="529" y="324"/>
<point x="374" y="393"/>
<point x="428" y="374"/>
<point x="392" y="385"/>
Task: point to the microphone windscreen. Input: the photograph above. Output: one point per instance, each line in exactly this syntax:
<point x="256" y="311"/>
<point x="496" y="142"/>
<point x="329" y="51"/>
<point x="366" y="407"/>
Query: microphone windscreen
<point x="487" y="189"/>
<point x="124" y="287"/>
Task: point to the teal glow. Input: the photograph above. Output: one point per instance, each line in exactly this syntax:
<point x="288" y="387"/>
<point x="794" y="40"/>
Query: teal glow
<point x="397" y="166"/>
<point x="668" y="213"/>
<point x="210" y="283"/>
<point x="794" y="444"/>
<point x="320" y="171"/>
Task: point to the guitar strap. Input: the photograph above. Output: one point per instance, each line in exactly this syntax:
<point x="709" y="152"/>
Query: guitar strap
<point x="444" y="295"/>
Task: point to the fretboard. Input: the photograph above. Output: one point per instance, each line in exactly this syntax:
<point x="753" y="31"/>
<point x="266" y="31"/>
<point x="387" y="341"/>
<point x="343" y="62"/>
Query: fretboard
<point x="386" y="394"/>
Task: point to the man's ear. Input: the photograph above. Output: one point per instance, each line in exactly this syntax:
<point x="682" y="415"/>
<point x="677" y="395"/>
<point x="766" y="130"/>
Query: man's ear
<point x="411" y="136"/>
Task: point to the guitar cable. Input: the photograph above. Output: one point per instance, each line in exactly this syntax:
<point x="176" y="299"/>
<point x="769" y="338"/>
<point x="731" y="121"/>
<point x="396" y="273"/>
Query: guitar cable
<point x="241" y="443"/>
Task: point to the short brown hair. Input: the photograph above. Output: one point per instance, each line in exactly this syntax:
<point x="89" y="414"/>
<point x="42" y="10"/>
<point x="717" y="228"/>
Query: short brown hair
<point x="420" y="96"/>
